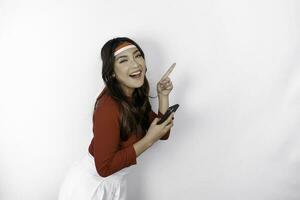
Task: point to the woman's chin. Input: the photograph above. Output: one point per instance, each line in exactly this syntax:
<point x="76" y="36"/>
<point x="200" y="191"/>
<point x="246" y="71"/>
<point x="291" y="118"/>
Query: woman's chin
<point x="140" y="85"/>
<point x="139" y="82"/>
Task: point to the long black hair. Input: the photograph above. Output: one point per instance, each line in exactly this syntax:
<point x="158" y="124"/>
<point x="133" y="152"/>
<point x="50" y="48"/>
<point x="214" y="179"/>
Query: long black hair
<point x="132" y="113"/>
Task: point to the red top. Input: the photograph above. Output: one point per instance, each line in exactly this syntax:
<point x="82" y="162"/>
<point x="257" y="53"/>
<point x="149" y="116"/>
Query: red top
<point x="109" y="152"/>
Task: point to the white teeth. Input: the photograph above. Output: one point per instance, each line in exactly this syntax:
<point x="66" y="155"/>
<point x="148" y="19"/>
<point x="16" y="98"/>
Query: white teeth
<point x="136" y="73"/>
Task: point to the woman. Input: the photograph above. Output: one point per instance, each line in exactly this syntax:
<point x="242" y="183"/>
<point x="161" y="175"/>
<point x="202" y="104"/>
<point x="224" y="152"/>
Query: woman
<point x="124" y="125"/>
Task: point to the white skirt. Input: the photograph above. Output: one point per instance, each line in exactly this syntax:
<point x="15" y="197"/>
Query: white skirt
<point x="82" y="182"/>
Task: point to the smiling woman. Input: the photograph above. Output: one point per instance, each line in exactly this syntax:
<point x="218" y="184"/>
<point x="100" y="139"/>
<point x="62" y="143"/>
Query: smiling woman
<point x="124" y="126"/>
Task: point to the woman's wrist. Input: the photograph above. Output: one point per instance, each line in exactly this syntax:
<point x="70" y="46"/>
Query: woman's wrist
<point x="162" y="95"/>
<point x="163" y="103"/>
<point x="148" y="141"/>
<point x="142" y="145"/>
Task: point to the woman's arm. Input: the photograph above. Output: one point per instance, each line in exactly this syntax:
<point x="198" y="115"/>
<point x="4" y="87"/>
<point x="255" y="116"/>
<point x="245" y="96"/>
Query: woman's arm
<point x="108" y="157"/>
<point x="141" y="146"/>
<point x="146" y="142"/>
<point x="163" y="103"/>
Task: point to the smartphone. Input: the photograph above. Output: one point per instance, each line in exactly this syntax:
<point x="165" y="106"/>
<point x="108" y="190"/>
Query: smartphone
<point x="168" y="112"/>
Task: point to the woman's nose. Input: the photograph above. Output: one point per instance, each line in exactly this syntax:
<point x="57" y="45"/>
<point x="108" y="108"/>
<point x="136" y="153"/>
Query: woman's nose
<point x="134" y="63"/>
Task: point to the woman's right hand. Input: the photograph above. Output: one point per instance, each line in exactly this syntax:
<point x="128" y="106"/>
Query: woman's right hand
<point x="156" y="131"/>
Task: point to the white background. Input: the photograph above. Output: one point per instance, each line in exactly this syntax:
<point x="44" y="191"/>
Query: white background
<point x="237" y="80"/>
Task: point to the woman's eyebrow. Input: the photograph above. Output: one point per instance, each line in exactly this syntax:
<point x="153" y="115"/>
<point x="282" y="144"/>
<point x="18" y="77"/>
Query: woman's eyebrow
<point x="135" y="51"/>
<point x="121" y="57"/>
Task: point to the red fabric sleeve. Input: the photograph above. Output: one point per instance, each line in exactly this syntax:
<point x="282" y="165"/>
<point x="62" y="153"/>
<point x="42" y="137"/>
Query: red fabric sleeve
<point x="108" y="157"/>
<point x="152" y="116"/>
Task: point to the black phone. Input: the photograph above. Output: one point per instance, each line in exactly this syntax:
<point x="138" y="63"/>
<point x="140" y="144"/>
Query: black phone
<point x="168" y="112"/>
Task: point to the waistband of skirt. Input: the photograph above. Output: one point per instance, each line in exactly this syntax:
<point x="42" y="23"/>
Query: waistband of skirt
<point x="90" y="158"/>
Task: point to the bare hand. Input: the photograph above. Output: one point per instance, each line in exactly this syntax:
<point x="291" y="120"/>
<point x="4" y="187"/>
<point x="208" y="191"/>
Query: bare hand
<point x="155" y="132"/>
<point x="165" y="86"/>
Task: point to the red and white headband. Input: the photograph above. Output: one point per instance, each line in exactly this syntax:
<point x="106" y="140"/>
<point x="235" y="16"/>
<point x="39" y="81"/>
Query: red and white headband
<point x="123" y="47"/>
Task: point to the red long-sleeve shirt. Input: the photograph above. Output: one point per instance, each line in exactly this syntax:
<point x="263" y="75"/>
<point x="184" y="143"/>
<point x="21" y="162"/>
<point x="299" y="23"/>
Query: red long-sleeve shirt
<point x="109" y="152"/>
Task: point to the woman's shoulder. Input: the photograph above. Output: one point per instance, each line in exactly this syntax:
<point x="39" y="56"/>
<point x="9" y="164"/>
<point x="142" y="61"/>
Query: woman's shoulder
<point x="107" y="105"/>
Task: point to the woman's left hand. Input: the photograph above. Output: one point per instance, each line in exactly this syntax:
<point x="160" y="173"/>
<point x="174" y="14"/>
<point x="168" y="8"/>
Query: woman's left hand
<point x="165" y="86"/>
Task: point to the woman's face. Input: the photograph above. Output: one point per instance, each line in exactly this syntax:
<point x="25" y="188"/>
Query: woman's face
<point x="126" y="63"/>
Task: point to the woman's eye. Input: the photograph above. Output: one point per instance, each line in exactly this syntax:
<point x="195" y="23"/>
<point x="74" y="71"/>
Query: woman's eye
<point x="139" y="55"/>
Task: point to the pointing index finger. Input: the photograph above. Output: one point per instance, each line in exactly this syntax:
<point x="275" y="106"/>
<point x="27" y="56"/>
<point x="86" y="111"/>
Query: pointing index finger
<point x="169" y="71"/>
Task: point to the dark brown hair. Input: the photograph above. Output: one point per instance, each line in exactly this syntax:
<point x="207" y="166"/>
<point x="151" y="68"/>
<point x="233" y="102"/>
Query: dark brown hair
<point x="134" y="113"/>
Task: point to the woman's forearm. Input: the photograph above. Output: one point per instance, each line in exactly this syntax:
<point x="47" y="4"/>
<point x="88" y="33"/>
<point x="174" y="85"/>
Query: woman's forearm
<point x="145" y="143"/>
<point x="163" y="103"/>
<point x="142" y="145"/>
